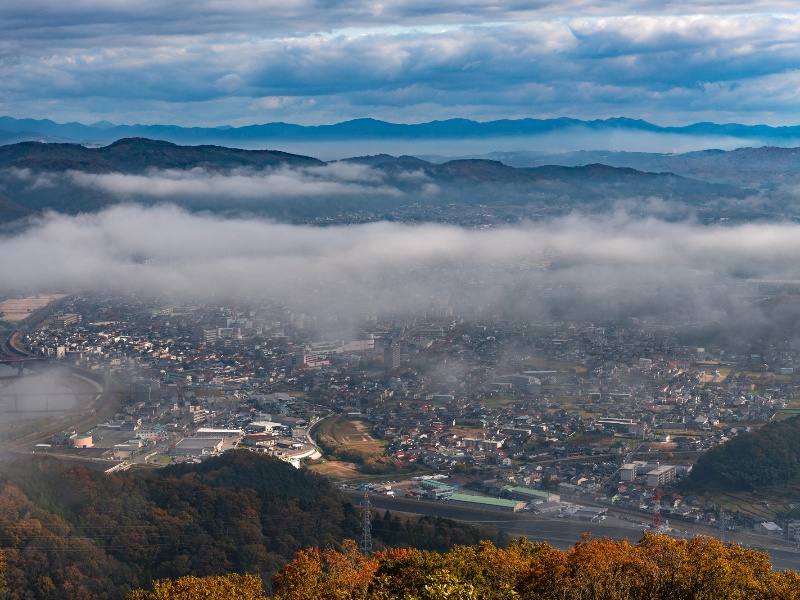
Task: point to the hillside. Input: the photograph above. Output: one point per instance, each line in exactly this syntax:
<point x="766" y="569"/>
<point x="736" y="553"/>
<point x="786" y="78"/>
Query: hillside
<point x="137" y="155"/>
<point x="69" y="532"/>
<point x="757" y="168"/>
<point x="73" y="179"/>
<point x="769" y="456"/>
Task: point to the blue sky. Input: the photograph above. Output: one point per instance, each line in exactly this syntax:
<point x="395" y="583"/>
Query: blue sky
<point x="237" y="62"/>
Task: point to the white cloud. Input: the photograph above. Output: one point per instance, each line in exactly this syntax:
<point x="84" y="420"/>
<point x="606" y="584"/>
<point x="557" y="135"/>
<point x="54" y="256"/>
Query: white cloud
<point x="335" y="179"/>
<point x="311" y="62"/>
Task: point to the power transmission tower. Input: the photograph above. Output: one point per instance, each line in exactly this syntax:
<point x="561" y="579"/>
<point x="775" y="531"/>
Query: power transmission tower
<point x="657" y="496"/>
<point x="366" y="526"/>
<point x="721" y="526"/>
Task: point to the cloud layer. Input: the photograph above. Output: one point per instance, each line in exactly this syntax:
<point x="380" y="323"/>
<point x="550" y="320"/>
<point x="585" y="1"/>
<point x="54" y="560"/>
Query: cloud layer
<point x="334" y="179"/>
<point x="574" y="268"/>
<point x="311" y="62"/>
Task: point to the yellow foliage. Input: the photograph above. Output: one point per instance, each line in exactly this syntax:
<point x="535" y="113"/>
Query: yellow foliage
<point x="220" y="587"/>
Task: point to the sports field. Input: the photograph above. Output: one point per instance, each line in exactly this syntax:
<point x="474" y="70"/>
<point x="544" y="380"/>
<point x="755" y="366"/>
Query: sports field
<point x="357" y="434"/>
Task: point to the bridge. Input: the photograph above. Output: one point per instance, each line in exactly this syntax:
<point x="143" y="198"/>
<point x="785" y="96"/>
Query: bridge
<point x="6" y="408"/>
<point x="18" y="365"/>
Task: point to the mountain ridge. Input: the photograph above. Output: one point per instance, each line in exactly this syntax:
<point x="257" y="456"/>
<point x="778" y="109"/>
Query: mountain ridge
<point x="367" y="128"/>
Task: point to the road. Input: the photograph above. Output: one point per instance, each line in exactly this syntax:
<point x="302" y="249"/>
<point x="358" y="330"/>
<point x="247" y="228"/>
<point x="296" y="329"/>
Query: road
<point x="8" y="351"/>
<point x="564" y="533"/>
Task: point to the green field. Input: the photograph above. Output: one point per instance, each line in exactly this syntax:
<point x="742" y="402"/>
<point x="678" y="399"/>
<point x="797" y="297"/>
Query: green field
<point x="498" y="401"/>
<point x="746" y="503"/>
<point x="785" y="413"/>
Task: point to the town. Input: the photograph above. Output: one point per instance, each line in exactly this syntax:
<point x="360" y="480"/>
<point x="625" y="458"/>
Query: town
<point x="558" y="418"/>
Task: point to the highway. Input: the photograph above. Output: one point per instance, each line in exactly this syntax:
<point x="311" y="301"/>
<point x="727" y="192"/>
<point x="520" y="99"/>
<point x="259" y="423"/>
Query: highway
<point x="8" y="352"/>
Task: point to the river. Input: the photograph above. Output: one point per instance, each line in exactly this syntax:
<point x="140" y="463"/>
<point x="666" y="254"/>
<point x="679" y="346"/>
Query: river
<point x="34" y="394"/>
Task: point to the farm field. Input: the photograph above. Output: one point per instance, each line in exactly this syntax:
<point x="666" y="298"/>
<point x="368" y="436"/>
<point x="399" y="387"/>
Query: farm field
<point x="337" y="470"/>
<point x="17" y="309"/>
<point x="747" y="503"/>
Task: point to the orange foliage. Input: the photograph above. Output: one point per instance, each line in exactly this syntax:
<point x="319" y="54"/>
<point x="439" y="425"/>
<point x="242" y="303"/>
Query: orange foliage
<point x="327" y="575"/>
<point x="655" y="568"/>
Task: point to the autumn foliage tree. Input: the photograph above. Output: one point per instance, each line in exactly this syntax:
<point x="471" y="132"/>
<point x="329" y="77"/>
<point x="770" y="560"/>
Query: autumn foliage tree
<point x="655" y="568"/>
<point x="220" y="587"/>
<point x="3" y="582"/>
<point x="327" y="575"/>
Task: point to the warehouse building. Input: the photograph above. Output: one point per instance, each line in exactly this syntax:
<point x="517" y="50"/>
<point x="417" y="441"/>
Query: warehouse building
<point x="531" y="495"/>
<point x="484" y="502"/>
<point x="197" y="446"/>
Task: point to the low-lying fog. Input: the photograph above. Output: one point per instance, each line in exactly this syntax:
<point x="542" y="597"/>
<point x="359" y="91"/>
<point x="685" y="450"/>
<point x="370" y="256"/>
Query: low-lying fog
<point x="576" y="138"/>
<point x="575" y="267"/>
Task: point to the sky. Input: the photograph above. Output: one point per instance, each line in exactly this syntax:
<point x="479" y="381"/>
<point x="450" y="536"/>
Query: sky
<point x="239" y="62"/>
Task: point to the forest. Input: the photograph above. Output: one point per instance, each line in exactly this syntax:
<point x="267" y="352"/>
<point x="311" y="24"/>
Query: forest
<point x="72" y="532"/>
<point x="765" y="457"/>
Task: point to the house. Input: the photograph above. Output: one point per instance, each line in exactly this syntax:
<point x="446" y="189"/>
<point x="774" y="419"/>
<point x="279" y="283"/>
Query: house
<point x="768" y="528"/>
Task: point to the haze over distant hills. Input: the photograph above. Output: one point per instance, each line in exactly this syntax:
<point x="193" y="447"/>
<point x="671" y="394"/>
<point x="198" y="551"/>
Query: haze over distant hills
<point x="758" y="168"/>
<point x="16" y="130"/>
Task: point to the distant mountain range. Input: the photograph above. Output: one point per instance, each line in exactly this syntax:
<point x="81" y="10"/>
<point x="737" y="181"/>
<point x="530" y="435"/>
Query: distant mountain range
<point x="16" y="130"/>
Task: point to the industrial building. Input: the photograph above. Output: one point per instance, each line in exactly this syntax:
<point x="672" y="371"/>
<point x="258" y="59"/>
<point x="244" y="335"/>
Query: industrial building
<point x="531" y="495"/>
<point x="485" y="502"/>
<point x="197" y="446"/>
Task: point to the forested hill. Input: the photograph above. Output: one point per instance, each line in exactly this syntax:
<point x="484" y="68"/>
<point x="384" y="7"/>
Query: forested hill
<point x="71" y="532"/>
<point x="73" y="179"/>
<point x="766" y="457"/>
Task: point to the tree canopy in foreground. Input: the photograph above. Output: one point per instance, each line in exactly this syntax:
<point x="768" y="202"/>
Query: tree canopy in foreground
<point x="657" y="567"/>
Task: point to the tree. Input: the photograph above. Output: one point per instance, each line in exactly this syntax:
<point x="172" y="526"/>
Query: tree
<point x="327" y="575"/>
<point x="3" y="581"/>
<point x="220" y="587"/>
